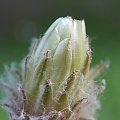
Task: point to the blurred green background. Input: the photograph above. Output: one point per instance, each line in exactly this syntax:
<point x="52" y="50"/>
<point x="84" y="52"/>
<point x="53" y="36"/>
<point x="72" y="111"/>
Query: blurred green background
<point x="21" y="20"/>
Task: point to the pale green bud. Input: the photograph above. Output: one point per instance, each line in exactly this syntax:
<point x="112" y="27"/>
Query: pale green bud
<point x="56" y="82"/>
<point x="63" y="49"/>
<point x="61" y="57"/>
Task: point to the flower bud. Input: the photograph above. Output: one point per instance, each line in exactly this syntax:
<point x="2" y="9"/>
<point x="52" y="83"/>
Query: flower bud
<point x="66" y="47"/>
<point x="60" y="57"/>
<point x="54" y="84"/>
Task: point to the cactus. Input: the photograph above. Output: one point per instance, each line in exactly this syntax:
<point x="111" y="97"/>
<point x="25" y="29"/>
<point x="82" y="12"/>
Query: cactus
<point x="54" y="81"/>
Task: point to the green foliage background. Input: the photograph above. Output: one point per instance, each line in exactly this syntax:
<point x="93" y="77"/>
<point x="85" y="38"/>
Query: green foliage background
<point x="21" y="20"/>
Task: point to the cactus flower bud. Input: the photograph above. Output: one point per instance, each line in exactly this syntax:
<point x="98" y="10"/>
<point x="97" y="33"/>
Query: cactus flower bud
<point x="55" y="82"/>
